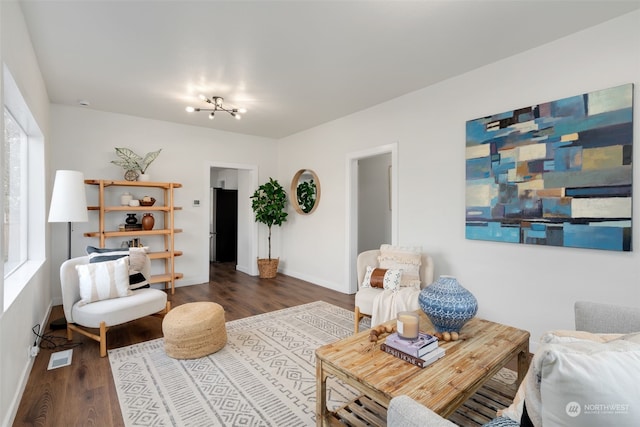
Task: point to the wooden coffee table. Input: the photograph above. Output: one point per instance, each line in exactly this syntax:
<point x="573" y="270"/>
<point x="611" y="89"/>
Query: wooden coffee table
<point x="486" y="347"/>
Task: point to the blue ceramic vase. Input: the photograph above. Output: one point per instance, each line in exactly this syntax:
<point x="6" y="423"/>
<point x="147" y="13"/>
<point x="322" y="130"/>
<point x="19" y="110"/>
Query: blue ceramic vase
<point x="447" y="304"/>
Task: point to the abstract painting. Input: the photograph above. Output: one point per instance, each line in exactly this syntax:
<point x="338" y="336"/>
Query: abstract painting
<point x="555" y="174"/>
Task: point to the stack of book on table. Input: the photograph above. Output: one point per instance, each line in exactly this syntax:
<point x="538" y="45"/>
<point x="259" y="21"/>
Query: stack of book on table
<point x="421" y="352"/>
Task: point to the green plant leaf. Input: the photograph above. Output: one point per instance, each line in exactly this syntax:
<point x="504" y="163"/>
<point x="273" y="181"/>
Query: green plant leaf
<point x="148" y="159"/>
<point x="128" y="155"/>
<point x="306" y="194"/>
<point x="124" y="164"/>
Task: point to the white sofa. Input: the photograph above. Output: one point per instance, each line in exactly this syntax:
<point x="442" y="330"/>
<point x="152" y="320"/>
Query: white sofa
<point x="589" y="317"/>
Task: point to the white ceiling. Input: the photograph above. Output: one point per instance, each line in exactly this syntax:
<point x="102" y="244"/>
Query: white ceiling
<point x="292" y="64"/>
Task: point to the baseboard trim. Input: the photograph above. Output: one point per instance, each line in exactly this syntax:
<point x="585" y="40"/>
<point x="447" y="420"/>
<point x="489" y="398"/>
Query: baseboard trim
<point x="338" y="287"/>
<point x="17" y="398"/>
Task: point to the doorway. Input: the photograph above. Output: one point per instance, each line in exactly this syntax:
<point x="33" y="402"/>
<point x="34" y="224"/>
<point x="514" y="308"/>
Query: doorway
<point x="376" y="159"/>
<point x="242" y="250"/>
<point x="224" y="223"/>
<point x="374" y="201"/>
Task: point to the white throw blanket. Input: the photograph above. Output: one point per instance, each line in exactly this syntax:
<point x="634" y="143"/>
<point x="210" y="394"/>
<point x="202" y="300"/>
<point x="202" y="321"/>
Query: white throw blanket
<point x="388" y="304"/>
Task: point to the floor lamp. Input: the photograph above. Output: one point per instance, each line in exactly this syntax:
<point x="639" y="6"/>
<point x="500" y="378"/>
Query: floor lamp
<point x="68" y="204"/>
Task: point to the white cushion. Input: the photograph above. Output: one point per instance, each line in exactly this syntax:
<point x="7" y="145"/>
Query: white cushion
<point x="390" y="280"/>
<point x="364" y="299"/>
<point x="103" y="280"/>
<point x="366" y="282"/>
<point x="139" y="268"/>
<point x="140" y="303"/>
<point x="591" y="384"/>
<point x="405" y="258"/>
<point x="531" y="383"/>
<point x="562" y="335"/>
<point x="572" y="379"/>
<point x="139" y="264"/>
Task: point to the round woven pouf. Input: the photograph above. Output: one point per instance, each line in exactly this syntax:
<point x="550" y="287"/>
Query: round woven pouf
<point x="194" y="330"/>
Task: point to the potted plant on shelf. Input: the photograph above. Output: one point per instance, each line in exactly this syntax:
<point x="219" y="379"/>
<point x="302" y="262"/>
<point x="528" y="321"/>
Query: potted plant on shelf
<point x="135" y="166"/>
<point x="268" y="204"/>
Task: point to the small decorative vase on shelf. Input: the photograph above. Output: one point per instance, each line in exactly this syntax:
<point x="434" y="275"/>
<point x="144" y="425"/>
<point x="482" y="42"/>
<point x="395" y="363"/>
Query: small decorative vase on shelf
<point x="447" y="304"/>
<point x="144" y="177"/>
<point x="131" y="218"/>
<point x="125" y="198"/>
<point x="130" y="175"/>
<point x="147" y="221"/>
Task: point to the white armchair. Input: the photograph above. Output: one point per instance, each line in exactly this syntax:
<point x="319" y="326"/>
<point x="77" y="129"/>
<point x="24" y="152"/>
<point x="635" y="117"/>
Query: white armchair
<point x="365" y="297"/>
<point x="105" y="313"/>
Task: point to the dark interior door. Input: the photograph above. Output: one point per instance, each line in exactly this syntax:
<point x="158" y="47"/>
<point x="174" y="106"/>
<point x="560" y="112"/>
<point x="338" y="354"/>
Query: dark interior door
<point x="226" y="225"/>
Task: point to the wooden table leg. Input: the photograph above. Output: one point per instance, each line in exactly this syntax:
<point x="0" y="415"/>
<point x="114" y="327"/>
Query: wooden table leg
<point x="523" y="365"/>
<point x="321" y="395"/>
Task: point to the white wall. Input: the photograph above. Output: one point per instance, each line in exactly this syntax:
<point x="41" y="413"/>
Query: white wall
<point x="31" y="306"/>
<point x="84" y="139"/>
<point x="224" y="178"/>
<point x="527" y="286"/>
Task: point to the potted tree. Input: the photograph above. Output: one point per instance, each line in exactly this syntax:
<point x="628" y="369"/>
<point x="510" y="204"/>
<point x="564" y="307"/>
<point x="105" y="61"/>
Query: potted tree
<point x="268" y="204"/>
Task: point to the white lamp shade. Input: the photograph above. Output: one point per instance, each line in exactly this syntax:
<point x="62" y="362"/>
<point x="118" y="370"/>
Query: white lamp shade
<point x="69" y="200"/>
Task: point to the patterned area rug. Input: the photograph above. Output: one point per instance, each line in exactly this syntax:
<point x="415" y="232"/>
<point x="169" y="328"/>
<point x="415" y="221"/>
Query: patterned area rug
<point x="264" y="376"/>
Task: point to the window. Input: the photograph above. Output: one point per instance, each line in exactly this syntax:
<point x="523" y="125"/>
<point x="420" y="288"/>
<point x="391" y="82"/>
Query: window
<point x="22" y="207"/>
<point x="14" y="192"/>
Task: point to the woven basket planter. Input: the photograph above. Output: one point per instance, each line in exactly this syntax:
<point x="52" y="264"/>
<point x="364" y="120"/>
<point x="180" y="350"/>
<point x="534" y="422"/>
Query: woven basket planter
<point x="268" y="268"/>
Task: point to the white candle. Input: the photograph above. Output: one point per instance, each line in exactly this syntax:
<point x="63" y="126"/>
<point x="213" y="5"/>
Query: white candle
<point x="407" y="325"/>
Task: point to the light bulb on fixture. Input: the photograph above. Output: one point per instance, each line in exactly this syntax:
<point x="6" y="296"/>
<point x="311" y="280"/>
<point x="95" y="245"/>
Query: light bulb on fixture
<point x="217" y="103"/>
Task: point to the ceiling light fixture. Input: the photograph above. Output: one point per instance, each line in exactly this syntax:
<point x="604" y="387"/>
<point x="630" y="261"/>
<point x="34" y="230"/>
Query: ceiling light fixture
<point x="217" y="103"/>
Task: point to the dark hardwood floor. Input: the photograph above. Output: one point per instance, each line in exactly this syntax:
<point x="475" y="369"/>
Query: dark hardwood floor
<point x="83" y="394"/>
